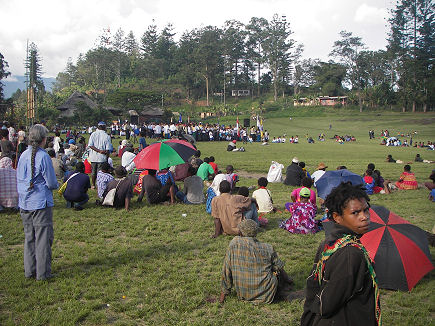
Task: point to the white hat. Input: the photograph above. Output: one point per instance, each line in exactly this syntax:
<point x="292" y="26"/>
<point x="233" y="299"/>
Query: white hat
<point x="295" y="160"/>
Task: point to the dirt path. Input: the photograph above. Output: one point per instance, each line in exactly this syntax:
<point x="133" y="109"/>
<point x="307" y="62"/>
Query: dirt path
<point x="250" y="175"/>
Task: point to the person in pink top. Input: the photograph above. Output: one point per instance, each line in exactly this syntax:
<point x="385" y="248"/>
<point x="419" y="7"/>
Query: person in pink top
<point x="306" y="183"/>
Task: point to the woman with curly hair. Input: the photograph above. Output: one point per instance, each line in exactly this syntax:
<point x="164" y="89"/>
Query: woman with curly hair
<point x="35" y="181"/>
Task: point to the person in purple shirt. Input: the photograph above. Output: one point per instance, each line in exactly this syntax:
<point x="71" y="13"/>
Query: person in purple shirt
<point x="35" y="181"/>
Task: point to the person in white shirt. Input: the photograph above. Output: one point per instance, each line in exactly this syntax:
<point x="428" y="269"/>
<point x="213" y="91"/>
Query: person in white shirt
<point x="100" y="145"/>
<point x="321" y="169"/>
<point x="263" y="197"/>
<point x="127" y="158"/>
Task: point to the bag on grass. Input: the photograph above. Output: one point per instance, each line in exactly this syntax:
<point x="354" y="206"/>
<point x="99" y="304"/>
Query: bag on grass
<point x="109" y="199"/>
<point x="275" y="172"/>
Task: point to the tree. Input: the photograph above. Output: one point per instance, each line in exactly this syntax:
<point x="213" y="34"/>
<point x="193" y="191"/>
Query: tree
<point x="256" y="30"/>
<point x="3" y="74"/>
<point x="329" y="77"/>
<point x="303" y="75"/>
<point x="346" y="50"/>
<point x="277" y="46"/>
<point x="411" y="42"/>
<point x="35" y="84"/>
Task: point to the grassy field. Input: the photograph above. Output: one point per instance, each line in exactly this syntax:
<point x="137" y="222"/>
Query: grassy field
<point x="152" y="266"/>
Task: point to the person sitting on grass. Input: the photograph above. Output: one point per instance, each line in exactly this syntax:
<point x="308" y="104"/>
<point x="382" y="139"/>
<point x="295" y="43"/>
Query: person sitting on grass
<point x="431" y="185"/>
<point x="253" y="269"/>
<point x="303" y="213"/>
<point x="369" y="182"/>
<point x="8" y="184"/>
<point x="252" y="213"/>
<point x="77" y="187"/>
<point x="205" y="170"/>
<point x="232" y="178"/>
<point x="213" y="165"/>
<point x="103" y="178"/>
<point x="407" y="180"/>
<point x="155" y="192"/>
<point x="193" y="188"/>
<point x="124" y="189"/>
<point x="228" y="210"/>
<point x="342" y="288"/>
<point x="307" y="182"/>
<point x="263" y="197"/>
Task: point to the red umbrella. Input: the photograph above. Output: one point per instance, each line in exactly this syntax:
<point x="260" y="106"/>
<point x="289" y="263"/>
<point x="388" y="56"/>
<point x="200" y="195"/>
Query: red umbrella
<point x="161" y="155"/>
<point x="398" y="248"/>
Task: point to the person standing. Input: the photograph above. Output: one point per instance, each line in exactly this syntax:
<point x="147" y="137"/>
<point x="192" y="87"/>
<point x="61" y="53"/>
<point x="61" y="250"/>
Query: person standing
<point x="35" y="181"/>
<point x="100" y="145"/>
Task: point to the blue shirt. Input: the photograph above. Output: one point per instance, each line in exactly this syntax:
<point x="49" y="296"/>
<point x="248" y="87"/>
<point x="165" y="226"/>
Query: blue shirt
<point x="77" y="187"/>
<point x="40" y="196"/>
<point x="142" y="143"/>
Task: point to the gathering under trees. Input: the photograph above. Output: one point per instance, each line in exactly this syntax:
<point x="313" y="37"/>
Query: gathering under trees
<point x="211" y="64"/>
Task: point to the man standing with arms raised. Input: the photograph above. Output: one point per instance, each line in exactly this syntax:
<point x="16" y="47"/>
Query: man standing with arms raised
<point x="100" y="145"/>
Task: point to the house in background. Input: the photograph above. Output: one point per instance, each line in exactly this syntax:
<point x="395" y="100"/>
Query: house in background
<point x="73" y="103"/>
<point x="321" y="101"/>
<point x="151" y="113"/>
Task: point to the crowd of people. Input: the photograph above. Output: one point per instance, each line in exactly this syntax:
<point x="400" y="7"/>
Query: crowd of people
<point x="30" y="172"/>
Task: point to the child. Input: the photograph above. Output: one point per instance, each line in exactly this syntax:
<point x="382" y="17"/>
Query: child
<point x="303" y="213"/>
<point x="263" y="197"/>
<point x="342" y="288"/>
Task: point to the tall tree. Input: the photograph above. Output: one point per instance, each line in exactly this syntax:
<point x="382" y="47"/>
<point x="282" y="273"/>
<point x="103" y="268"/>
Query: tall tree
<point x="277" y="46"/>
<point x="118" y="46"/>
<point x="3" y="74"/>
<point x="411" y="41"/>
<point x="33" y="67"/>
<point x="256" y="30"/>
<point x="347" y="50"/>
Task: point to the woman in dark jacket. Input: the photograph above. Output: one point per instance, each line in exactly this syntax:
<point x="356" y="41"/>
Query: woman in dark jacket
<point x="342" y="288"/>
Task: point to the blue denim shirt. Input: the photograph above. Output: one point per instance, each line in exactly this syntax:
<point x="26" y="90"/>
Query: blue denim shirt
<point x="45" y="181"/>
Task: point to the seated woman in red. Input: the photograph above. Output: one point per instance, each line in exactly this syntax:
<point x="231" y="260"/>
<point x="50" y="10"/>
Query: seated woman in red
<point x="407" y="180"/>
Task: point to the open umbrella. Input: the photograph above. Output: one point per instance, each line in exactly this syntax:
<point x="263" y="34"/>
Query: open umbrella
<point x="164" y="154"/>
<point x="331" y="179"/>
<point x="398" y="248"/>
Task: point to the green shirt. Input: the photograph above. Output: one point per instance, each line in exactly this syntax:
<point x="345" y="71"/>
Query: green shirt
<point x="204" y="171"/>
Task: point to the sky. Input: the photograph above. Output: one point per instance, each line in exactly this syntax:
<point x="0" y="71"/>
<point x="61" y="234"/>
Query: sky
<point x="66" y="28"/>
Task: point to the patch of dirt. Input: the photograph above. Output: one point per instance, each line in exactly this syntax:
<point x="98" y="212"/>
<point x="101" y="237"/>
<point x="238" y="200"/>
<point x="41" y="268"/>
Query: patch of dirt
<point x="250" y="175"/>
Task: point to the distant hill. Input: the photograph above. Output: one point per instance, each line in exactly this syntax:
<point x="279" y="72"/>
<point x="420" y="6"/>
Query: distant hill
<point x="12" y="83"/>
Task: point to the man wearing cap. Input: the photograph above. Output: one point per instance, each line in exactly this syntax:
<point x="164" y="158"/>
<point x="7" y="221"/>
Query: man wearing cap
<point x="100" y="145"/>
<point x="321" y="169"/>
<point x="253" y="269"/>
<point x="294" y="173"/>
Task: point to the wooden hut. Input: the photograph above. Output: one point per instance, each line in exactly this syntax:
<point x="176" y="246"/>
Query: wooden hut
<point x="73" y="103"/>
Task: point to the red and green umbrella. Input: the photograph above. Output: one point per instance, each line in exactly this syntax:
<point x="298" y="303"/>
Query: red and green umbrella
<point x="164" y="154"/>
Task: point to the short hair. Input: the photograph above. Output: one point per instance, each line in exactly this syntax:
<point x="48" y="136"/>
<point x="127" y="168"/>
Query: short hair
<point x="407" y="167"/>
<point x="191" y="170"/>
<point x="80" y="167"/>
<point x="143" y="133"/>
<point x="369" y="171"/>
<point x="57" y="133"/>
<point x="370" y="166"/>
<point x="197" y="153"/>
<point x="51" y="153"/>
<point x="105" y="166"/>
<point x="341" y="167"/>
<point x="152" y="172"/>
<point x="120" y="171"/>
<point x="302" y="164"/>
<point x="307" y="182"/>
<point x="211" y="158"/>
<point x="206" y="160"/>
<point x="340" y="196"/>
<point x="4" y="133"/>
<point x="262" y="182"/>
<point x="244" y="191"/>
<point x="230" y="169"/>
<point x="224" y="187"/>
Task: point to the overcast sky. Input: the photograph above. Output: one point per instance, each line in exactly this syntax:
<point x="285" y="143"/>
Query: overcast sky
<point x="65" y="28"/>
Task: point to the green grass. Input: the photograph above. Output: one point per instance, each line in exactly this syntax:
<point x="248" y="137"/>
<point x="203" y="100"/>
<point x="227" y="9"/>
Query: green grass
<point x="151" y="266"/>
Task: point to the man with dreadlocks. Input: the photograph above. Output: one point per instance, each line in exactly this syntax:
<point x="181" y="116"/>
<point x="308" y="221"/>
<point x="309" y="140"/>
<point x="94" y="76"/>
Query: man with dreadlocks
<point x="35" y="181"/>
<point x="342" y="288"/>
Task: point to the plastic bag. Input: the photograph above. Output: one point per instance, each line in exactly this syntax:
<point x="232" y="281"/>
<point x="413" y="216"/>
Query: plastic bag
<point x="275" y="172"/>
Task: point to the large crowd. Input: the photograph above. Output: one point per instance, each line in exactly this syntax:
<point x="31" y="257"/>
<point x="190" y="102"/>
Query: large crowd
<point x="32" y="165"/>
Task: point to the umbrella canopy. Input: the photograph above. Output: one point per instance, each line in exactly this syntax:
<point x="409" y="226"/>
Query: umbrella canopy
<point x="164" y="154"/>
<point x="331" y="179"/>
<point x="398" y="248"/>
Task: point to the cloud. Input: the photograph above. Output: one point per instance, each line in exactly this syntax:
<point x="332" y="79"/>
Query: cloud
<point x="370" y="15"/>
<point x="12" y="78"/>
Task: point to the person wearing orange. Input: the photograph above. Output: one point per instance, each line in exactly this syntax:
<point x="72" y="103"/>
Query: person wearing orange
<point x="407" y="180"/>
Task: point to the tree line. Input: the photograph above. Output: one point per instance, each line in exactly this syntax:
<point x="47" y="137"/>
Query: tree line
<point x="262" y="56"/>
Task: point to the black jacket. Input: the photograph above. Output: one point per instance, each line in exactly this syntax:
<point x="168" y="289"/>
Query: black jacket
<point x="294" y="175"/>
<point x="346" y="295"/>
